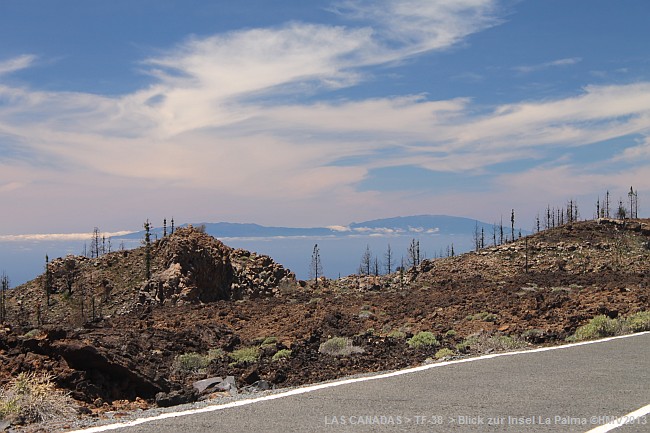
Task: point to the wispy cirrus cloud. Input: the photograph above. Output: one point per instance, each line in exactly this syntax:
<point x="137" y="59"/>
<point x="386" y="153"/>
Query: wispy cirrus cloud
<point x="526" y="69"/>
<point x="413" y="26"/>
<point x="16" y="64"/>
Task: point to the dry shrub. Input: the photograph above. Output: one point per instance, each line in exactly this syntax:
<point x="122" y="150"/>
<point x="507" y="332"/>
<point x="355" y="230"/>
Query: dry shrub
<point x="32" y="397"/>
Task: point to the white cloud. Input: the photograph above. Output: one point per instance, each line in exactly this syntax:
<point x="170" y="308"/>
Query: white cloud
<point x="599" y="113"/>
<point x="415" y="26"/>
<point x="16" y="64"/>
<point x="636" y="154"/>
<point x="57" y="236"/>
<point x="546" y="65"/>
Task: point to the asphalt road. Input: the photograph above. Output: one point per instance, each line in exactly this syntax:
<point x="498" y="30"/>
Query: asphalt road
<point x="574" y="389"/>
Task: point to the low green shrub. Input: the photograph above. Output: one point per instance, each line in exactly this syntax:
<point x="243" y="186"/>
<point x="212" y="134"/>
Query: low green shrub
<point x="444" y="353"/>
<point x="191" y="362"/>
<point x="246" y="354"/>
<point x="269" y="342"/>
<point x="423" y="339"/>
<point x="216" y="353"/>
<point x="397" y="334"/>
<point x="339" y="346"/>
<point x="466" y="344"/>
<point x="281" y="354"/>
<point x="638" y="322"/>
<point x="532" y="334"/>
<point x="598" y="327"/>
<point x="451" y="333"/>
<point x="483" y="316"/>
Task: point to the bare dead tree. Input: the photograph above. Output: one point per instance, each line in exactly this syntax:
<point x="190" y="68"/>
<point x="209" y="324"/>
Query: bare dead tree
<point x="4" y="286"/>
<point x="414" y="253"/>
<point x="366" y="260"/>
<point x="316" y="267"/>
<point x="388" y="264"/>
<point x="147" y="249"/>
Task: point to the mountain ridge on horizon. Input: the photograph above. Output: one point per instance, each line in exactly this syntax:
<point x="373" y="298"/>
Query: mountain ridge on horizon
<point x="400" y="225"/>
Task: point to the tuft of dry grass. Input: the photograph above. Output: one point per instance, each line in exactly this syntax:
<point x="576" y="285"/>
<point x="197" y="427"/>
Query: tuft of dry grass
<point x="32" y="397"/>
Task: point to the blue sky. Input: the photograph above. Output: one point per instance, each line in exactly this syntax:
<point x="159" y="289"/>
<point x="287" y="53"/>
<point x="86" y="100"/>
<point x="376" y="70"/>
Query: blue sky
<point x="317" y="113"/>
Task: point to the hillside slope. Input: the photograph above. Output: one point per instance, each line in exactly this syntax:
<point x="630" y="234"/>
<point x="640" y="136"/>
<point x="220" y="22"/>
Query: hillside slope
<point x="118" y="335"/>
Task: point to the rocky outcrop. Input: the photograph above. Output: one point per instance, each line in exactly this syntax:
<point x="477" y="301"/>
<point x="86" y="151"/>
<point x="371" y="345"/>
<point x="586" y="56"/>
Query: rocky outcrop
<point x="196" y="268"/>
<point x="258" y="276"/>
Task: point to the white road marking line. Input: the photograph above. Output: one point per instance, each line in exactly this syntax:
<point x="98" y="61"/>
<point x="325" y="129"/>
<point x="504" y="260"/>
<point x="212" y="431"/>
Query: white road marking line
<point x="630" y="418"/>
<point x="326" y="385"/>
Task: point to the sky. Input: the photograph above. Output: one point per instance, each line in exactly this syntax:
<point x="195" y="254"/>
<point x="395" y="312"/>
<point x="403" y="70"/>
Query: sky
<point x="313" y="113"/>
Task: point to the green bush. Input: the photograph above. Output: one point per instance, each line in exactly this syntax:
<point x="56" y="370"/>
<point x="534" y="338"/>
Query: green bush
<point x="638" y="322"/>
<point x="451" y="333"/>
<point x="339" y="346"/>
<point x="246" y="354"/>
<point x="191" y="362"/>
<point x="281" y="354"/>
<point x="397" y="334"/>
<point x="467" y="343"/>
<point x="598" y="327"/>
<point x="483" y="316"/>
<point x="269" y="342"/>
<point x="216" y="353"/>
<point x="444" y="353"/>
<point x="423" y="339"/>
<point x="532" y="334"/>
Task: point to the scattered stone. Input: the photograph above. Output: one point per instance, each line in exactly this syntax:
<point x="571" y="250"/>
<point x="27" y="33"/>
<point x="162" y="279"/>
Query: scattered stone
<point x="174" y="398"/>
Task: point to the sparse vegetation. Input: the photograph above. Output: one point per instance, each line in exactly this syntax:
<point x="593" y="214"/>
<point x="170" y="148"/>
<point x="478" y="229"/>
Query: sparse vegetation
<point x="339" y="346"/>
<point x="423" y="339"/>
<point x="504" y="342"/>
<point x="489" y="343"/>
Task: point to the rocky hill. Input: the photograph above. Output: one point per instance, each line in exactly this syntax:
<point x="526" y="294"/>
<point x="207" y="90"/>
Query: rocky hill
<point x="113" y="337"/>
<point x="187" y="267"/>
